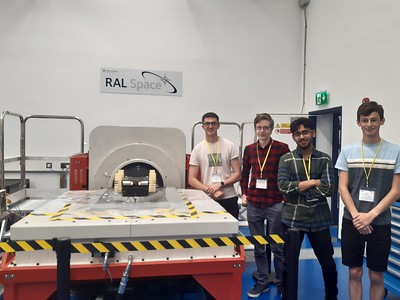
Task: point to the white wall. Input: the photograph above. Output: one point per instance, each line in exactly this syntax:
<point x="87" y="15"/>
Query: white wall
<point x="353" y="52"/>
<point x="237" y="58"/>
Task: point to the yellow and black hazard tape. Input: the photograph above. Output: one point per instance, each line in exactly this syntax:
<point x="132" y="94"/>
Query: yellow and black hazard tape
<point x="95" y="247"/>
<point x="61" y="212"/>
<point x="192" y="209"/>
<point x="59" y="215"/>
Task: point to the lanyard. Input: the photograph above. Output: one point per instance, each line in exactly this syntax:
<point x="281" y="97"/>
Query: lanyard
<point x="265" y="159"/>
<point x="373" y="160"/>
<point x="214" y="159"/>
<point x="307" y="171"/>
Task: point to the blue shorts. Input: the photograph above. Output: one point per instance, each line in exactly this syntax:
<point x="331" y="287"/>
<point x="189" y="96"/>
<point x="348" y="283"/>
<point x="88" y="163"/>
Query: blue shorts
<point x="378" y="246"/>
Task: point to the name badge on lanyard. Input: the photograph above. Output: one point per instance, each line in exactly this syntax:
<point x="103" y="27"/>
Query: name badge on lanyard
<point x="366" y="194"/>
<point x="262" y="183"/>
<point x="215" y="178"/>
<point x="217" y="174"/>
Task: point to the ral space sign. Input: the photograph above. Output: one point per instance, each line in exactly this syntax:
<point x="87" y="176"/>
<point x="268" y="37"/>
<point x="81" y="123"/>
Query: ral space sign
<point x="143" y="82"/>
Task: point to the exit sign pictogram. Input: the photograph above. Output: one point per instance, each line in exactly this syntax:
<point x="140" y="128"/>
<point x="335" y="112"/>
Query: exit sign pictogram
<point x="321" y="98"/>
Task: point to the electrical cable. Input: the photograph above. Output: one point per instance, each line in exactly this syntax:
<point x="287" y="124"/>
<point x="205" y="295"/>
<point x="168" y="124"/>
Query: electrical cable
<point x="124" y="278"/>
<point x="304" y="60"/>
<point x="105" y="266"/>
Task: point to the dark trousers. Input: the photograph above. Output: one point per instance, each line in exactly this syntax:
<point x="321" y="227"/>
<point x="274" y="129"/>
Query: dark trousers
<point x="322" y="245"/>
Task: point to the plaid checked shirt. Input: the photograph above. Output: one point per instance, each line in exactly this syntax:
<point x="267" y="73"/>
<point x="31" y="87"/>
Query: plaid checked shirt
<point x="307" y="211"/>
<point x="251" y="171"/>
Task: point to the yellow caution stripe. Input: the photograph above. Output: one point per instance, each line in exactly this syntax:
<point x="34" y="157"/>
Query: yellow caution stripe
<point x="61" y="211"/>
<point x="26" y="245"/>
<point x="74" y="216"/>
<point x="102" y="247"/>
<point x="192" y="210"/>
<point x="148" y="217"/>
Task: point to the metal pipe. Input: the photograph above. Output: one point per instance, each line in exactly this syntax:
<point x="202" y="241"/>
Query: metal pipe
<point x="222" y="123"/>
<point x="58" y="117"/>
<point x="304" y="59"/>
<point x="3" y="229"/>
<point x="22" y="153"/>
<point x="241" y="147"/>
<point x="105" y="261"/>
<point x="194" y="126"/>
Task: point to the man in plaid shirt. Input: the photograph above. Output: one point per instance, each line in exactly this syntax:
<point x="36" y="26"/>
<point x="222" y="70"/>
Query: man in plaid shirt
<point x="263" y="199"/>
<point x="305" y="177"/>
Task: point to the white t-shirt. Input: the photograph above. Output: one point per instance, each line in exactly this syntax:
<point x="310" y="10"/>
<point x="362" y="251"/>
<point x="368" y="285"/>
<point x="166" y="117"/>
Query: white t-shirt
<point x="215" y="159"/>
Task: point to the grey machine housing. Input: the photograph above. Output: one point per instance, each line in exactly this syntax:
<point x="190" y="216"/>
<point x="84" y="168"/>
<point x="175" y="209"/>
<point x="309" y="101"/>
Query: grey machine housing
<point x="112" y="148"/>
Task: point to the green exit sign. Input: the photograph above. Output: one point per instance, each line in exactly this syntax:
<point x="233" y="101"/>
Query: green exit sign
<point x="321" y="98"/>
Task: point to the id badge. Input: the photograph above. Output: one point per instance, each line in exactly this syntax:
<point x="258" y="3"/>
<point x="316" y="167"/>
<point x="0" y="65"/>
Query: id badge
<point x="262" y="183"/>
<point x="366" y="194"/>
<point x="215" y="178"/>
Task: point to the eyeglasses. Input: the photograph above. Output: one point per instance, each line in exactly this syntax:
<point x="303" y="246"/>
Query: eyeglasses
<point x="304" y="133"/>
<point x="264" y="128"/>
<point x="207" y="124"/>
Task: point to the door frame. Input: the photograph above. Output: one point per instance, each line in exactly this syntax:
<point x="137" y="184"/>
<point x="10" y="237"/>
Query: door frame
<point x="334" y="115"/>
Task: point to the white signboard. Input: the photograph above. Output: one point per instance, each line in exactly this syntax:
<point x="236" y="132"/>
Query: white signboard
<point x="142" y="82"/>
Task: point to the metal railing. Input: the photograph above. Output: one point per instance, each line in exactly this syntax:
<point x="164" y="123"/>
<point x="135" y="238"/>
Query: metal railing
<point x="22" y="158"/>
<point x="22" y="147"/>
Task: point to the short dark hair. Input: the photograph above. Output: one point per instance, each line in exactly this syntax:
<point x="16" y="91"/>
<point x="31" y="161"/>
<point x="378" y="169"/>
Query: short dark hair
<point x="210" y="115"/>
<point x="263" y="116"/>
<point x="306" y="122"/>
<point x="368" y="108"/>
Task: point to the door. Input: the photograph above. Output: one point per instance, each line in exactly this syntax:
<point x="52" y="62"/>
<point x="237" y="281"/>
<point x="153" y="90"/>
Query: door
<point x="329" y="140"/>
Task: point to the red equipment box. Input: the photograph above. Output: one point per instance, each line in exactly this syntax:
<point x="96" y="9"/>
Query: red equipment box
<point x="79" y="172"/>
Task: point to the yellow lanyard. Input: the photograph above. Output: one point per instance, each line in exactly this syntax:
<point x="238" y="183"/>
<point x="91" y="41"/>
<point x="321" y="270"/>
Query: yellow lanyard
<point x="373" y="160"/>
<point x="265" y="159"/>
<point x="308" y="172"/>
<point x="214" y="159"/>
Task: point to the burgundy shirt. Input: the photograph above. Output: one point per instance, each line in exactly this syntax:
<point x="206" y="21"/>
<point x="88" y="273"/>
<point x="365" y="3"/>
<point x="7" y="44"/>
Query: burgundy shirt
<point x="251" y="168"/>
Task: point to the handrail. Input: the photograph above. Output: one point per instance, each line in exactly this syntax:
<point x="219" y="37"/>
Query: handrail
<point x="200" y="123"/>
<point x="23" y="141"/>
<point x="242" y="133"/>
<point x="272" y="115"/>
<point x="60" y="118"/>
<point x="22" y="149"/>
<point x="241" y="128"/>
<point x="222" y="123"/>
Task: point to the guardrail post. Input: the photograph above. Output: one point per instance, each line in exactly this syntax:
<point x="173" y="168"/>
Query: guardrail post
<point x="292" y="263"/>
<point x="63" y="251"/>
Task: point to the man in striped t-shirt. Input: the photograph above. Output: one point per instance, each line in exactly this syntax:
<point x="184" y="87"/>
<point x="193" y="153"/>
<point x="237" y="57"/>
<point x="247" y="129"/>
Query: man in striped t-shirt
<point x="369" y="182"/>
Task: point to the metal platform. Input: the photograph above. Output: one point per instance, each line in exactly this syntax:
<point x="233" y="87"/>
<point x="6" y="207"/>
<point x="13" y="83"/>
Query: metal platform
<point x="103" y="214"/>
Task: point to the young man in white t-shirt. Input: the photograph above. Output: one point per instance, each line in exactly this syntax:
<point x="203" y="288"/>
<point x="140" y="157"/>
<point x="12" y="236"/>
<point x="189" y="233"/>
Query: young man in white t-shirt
<point x="214" y="166"/>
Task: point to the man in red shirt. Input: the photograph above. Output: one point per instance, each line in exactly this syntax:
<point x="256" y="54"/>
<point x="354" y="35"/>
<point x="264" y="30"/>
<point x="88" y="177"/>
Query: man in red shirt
<point x="261" y="194"/>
